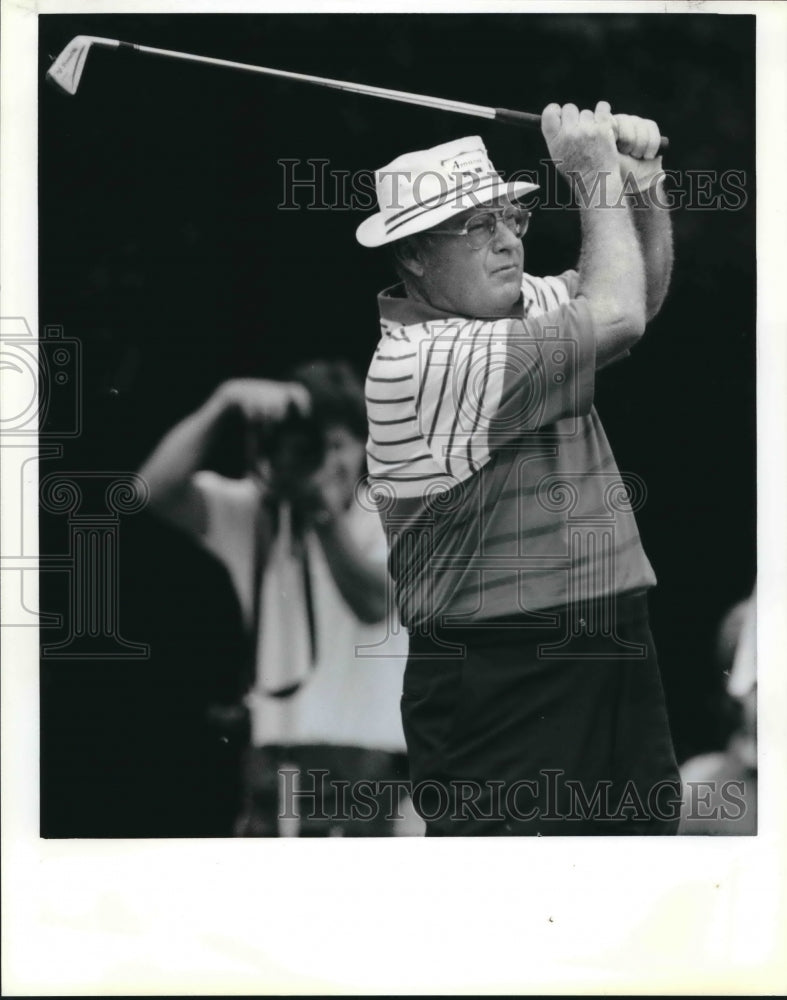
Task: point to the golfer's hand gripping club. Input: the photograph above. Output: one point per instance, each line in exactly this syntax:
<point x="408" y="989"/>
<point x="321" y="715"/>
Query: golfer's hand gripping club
<point x="586" y="143"/>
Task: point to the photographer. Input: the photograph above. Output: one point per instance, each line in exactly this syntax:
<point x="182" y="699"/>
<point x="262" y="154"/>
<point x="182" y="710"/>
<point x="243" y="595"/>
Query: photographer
<point x="309" y="567"/>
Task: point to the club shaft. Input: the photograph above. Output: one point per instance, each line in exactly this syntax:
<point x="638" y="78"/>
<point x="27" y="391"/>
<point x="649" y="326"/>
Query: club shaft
<point x="437" y="103"/>
<point x="522" y="119"/>
<point x="67" y="69"/>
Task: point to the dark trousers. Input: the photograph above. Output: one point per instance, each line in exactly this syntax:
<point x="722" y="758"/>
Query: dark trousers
<point x="551" y="726"/>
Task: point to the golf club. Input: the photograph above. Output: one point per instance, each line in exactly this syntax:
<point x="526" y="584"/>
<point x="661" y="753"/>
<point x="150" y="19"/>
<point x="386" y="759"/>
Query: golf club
<point x="66" y="71"/>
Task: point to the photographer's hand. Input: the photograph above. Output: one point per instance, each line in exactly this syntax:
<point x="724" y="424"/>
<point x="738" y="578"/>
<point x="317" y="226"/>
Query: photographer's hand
<point x="261" y="401"/>
<point x="184" y="449"/>
<point x="319" y="498"/>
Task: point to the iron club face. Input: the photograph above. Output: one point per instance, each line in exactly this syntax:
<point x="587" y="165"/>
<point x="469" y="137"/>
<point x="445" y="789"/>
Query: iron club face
<point x="66" y="71"/>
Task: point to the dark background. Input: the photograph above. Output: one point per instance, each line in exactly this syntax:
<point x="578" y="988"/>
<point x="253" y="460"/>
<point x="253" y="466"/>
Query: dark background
<point x="163" y="252"/>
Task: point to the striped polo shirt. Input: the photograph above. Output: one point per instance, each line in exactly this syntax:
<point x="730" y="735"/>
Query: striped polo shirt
<point x="490" y="469"/>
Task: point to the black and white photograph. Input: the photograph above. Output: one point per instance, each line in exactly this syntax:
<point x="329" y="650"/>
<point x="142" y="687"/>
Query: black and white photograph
<point x="386" y="460"/>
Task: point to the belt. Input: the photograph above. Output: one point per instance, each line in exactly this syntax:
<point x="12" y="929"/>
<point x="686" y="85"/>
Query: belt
<point x="593" y="616"/>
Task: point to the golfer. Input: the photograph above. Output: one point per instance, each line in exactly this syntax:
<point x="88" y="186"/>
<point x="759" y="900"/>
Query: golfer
<point x="532" y="700"/>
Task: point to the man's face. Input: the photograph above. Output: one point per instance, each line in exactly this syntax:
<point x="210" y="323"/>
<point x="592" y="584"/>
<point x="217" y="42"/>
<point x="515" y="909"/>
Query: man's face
<point x="468" y="282"/>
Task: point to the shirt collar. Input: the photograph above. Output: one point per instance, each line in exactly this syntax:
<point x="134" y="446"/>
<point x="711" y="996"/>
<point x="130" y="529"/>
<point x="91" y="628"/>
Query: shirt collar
<point x="398" y="308"/>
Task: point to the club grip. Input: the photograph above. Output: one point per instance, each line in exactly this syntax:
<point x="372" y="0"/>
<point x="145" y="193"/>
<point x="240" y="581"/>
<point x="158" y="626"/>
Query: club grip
<point x="523" y="119"/>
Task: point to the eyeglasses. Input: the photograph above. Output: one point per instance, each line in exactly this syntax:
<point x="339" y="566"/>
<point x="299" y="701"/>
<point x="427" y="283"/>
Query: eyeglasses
<point x="481" y="229"/>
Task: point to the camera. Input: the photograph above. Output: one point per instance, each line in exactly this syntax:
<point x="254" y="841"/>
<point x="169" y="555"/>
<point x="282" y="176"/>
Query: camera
<point x="295" y="448"/>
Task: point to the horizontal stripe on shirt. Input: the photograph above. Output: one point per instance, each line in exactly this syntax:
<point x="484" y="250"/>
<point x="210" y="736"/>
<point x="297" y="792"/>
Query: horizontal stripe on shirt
<point x="386" y="423"/>
<point x="389" y="402"/>
<point x="388" y="357"/>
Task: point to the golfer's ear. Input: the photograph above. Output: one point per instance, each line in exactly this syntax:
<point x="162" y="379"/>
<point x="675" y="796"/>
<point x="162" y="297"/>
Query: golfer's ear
<point x="409" y="255"/>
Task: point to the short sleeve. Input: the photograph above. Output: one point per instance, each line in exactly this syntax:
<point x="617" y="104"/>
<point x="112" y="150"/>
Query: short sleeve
<point x="545" y="294"/>
<point x="571" y="280"/>
<point x="548" y="293"/>
<point x="367" y="532"/>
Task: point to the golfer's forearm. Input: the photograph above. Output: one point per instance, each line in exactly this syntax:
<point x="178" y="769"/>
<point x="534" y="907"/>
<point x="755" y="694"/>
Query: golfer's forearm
<point x="362" y="583"/>
<point x="180" y="453"/>
<point x="653" y="225"/>
<point x="612" y="276"/>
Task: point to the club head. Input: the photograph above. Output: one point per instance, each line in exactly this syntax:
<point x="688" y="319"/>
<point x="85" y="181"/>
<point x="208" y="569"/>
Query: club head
<point x="66" y="71"/>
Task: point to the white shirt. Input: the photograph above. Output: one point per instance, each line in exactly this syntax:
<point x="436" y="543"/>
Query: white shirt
<point x="352" y="694"/>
